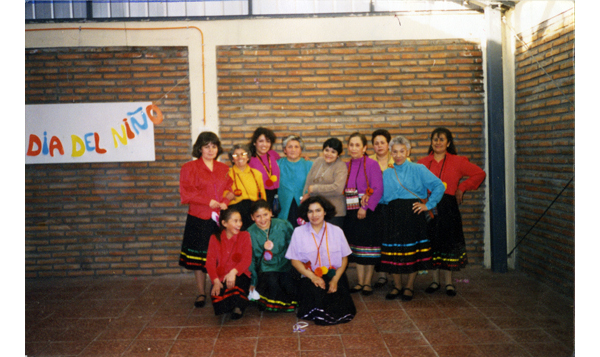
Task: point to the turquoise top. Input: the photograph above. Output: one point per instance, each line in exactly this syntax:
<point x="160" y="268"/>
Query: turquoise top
<point x="293" y="177"/>
<point x="415" y="177"/>
<point x="280" y="234"/>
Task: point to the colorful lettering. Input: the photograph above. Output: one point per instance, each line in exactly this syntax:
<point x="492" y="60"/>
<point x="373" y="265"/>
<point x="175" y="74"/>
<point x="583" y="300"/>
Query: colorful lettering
<point x="55" y="144"/>
<point x="97" y="140"/>
<point x="34" y="140"/>
<point x="77" y="152"/>
<point x="122" y="139"/>
<point x="159" y="115"/>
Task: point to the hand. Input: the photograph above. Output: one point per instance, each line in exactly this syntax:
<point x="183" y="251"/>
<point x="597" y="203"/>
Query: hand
<point x="216" y="288"/>
<point x="365" y="200"/>
<point x="319" y="282"/>
<point x="310" y="189"/>
<point x="419" y="207"/>
<point x="214" y="204"/>
<point x="333" y="284"/>
<point x="230" y="278"/>
<point x="459" y="196"/>
<point x="362" y="213"/>
<point x="252" y="288"/>
<point x="223" y="206"/>
<point x="230" y="196"/>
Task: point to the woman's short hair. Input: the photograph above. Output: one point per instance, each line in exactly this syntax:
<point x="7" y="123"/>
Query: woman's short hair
<point x="292" y="138"/>
<point x="437" y="131"/>
<point x="205" y="138"/>
<point x="381" y="132"/>
<point x="258" y="204"/>
<point x="328" y="207"/>
<point x="237" y="147"/>
<point x="335" y="144"/>
<point x="400" y="140"/>
<point x="362" y="137"/>
<point x="268" y="133"/>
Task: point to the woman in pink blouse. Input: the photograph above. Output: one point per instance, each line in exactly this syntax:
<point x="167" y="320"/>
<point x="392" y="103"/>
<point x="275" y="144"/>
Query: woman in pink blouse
<point x="445" y="230"/>
<point x="203" y="185"/>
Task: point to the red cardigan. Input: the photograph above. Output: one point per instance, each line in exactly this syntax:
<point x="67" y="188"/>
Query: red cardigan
<point x="235" y="252"/>
<point x="453" y="170"/>
<point x="198" y="185"/>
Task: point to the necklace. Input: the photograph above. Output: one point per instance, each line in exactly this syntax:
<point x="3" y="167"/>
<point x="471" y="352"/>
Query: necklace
<point x="369" y="190"/>
<point x="237" y="191"/>
<point x="272" y="178"/>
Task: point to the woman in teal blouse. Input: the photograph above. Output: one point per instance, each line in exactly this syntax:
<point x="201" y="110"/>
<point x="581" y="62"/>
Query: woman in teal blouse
<point x="293" y="172"/>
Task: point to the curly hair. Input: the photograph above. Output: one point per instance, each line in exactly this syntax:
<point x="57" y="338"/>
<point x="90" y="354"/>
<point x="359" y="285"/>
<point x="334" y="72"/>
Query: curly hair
<point x="268" y="133"/>
<point x="328" y="207"/>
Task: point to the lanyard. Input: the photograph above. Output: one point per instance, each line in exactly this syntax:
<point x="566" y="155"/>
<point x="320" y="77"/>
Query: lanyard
<point x="268" y="170"/>
<point x="237" y="191"/>
<point x="369" y="190"/>
<point x="326" y="235"/>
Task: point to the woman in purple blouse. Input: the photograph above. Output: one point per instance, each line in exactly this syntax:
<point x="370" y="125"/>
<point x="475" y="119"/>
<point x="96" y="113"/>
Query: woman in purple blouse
<point x="364" y="188"/>
<point x="319" y="252"/>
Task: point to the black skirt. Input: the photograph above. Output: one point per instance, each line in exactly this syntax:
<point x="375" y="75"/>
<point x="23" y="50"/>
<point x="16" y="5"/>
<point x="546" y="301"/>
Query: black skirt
<point x="195" y="242"/>
<point x="406" y="248"/>
<point x="447" y="237"/>
<point x="277" y="292"/>
<point x="317" y="305"/>
<point x="229" y="299"/>
<point x="364" y="237"/>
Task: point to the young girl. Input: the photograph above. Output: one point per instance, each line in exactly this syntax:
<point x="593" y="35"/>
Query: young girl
<point x="264" y="159"/>
<point x="227" y="262"/>
<point x="247" y="184"/>
<point x="271" y="270"/>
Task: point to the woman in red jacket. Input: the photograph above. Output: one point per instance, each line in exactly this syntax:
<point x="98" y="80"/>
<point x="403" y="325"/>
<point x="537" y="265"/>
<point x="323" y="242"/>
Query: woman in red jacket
<point x="203" y="185"/>
<point x="445" y="230"/>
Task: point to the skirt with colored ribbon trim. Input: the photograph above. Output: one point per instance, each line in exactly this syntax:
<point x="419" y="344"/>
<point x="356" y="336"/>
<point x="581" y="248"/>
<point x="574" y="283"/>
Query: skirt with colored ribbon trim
<point x="323" y="308"/>
<point x="196" y="236"/>
<point x="229" y="299"/>
<point x="277" y="292"/>
<point x="406" y="248"/>
<point x="364" y="236"/>
<point x="447" y="238"/>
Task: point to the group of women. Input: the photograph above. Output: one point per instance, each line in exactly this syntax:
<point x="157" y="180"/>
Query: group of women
<point x="377" y="212"/>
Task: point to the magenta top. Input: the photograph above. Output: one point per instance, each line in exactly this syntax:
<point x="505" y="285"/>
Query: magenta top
<point x="267" y="162"/>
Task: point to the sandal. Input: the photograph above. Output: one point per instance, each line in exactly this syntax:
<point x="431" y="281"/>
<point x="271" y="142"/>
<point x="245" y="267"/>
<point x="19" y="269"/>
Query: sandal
<point x="432" y="288"/>
<point x="366" y="292"/>
<point x="391" y="295"/>
<point x="356" y="288"/>
<point x="407" y="297"/>
<point x="452" y="291"/>
<point x="380" y="283"/>
<point x="200" y="303"/>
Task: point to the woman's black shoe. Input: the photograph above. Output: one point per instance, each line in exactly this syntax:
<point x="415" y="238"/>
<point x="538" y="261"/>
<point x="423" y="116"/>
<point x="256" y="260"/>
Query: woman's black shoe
<point x="200" y="303"/>
<point x="432" y="288"/>
<point x="452" y="291"/>
<point x="391" y="295"/>
<point x="407" y="297"/>
<point x="380" y="283"/>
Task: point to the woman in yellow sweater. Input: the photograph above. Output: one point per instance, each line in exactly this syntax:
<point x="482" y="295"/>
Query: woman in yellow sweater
<point x="247" y="184"/>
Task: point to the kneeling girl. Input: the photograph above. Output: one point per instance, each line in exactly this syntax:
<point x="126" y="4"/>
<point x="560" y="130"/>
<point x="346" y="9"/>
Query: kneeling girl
<point x="271" y="270"/>
<point x="227" y="263"/>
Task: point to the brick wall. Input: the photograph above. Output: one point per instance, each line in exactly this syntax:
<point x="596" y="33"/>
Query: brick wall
<point x="545" y="140"/>
<point x="333" y="89"/>
<point x="109" y="218"/>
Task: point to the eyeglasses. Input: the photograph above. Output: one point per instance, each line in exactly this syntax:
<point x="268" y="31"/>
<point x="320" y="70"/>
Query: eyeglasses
<point x="235" y="156"/>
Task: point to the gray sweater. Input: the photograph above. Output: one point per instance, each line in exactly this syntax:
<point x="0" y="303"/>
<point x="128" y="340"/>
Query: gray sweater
<point x="329" y="180"/>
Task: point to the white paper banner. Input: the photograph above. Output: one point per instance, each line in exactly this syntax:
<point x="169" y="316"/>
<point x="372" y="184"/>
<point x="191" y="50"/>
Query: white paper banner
<point x="90" y="132"/>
